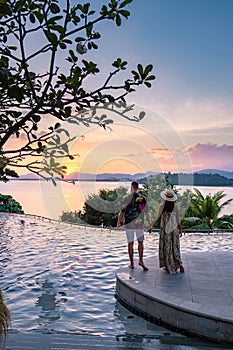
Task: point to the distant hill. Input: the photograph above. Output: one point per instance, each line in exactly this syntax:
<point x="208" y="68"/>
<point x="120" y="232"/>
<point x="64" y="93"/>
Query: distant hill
<point x="200" y="179"/>
<point x="108" y="176"/>
<point x="30" y="176"/>
<point x="76" y="176"/>
<point x="228" y="174"/>
<point x="205" y="177"/>
<point x="197" y="179"/>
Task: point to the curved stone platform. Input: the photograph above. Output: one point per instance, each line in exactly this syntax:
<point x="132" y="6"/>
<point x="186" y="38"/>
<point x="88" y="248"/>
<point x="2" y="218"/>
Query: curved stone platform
<point x="198" y="302"/>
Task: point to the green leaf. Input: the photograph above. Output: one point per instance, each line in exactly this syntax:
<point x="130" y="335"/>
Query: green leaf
<point x="63" y="130"/>
<point x="14" y="48"/>
<point x="32" y="18"/>
<point x="148" y="69"/>
<point x="78" y="39"/>
<point x="96" y="35"/>
<point x="73" y="56"/>
<point x="124" y="3"/>
<point x="151" y="77"/>
<point x="140" y="69"/>
<point x="68" y="110"/>
<point x="58" y="28"/>
<point x="54" y="8"/>
<point x="52" y="38"/>
<point x="67" y="41"/>
<point x="108" y="121"/>
<point x="118" y="20"/>
<point x="57" y="125"/>
<point x="86" y="8"/>
<point x="124" y="13"/>
<point x="117" y="63"/>
<point x="147" y="84"/>
<point x="65" y="148"/>
<point x="127" y="85"/>
<point x="39" y="16"/>
<point x="89" y="28"/>
<point x="62" y="45"/>
<point x="16" y="92"/>
<point x="94" y="45"/>
<point x="52" y="20"/>
<point x="135" y="74"/>
<point x="104" y="10"/>
<point x="18" y="5"/>
<point x="36" y="118"/>
<point x="141" y="115"/>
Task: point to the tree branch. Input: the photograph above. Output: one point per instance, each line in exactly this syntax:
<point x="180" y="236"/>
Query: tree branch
<point x="23" y="58"/>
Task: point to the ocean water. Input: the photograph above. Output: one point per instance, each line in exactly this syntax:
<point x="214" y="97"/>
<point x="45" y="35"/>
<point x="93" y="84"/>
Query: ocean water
<point x="43" y="198"/>
<point x="61" y="278"/>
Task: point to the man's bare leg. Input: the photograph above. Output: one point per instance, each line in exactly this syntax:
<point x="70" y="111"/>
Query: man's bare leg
<point x="130" y="251"/>
<point x="140" y="252"/>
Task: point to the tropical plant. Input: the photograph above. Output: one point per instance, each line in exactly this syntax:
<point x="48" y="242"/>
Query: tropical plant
<point x="99" y="209"/>
<point x="102" y="208"/>
<point x="4" y="316"/>
<point x="33" y="94"/>
<point x="9" y="205"/>
<point x="203" y="212"/>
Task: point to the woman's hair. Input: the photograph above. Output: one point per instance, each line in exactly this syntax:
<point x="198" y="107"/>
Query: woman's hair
<point x="168" y="206"/>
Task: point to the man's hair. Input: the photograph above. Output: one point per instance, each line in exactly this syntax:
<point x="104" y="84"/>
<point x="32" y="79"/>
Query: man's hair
<point x="135" y="185"/>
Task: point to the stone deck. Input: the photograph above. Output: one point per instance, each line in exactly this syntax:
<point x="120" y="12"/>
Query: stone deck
<point x="198" y="302"/>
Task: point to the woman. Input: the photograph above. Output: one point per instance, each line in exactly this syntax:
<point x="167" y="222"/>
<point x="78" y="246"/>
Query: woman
<point x="170" y="233"/>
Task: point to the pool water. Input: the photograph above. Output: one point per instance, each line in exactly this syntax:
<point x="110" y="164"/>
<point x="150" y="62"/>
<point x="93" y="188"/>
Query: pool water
<point x="61" y="278"/>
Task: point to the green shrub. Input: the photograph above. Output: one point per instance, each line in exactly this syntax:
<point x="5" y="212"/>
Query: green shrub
<point x="9" y="205"/>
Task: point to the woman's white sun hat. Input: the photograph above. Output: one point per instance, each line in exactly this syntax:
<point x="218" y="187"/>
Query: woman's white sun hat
<point x="169" y="195"/>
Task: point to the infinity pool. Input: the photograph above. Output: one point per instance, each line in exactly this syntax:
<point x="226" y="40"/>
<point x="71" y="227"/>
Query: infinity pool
<point x="61" y="278"/>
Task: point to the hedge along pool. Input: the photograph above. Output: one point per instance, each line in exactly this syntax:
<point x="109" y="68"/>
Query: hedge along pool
<point x="61" y="278"/>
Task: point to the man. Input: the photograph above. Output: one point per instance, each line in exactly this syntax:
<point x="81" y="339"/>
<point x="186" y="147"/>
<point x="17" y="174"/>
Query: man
<point x="132" y="216"/>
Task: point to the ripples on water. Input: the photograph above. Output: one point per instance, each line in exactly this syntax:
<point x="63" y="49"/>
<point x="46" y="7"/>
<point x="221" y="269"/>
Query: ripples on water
<point x="57" y="277"/>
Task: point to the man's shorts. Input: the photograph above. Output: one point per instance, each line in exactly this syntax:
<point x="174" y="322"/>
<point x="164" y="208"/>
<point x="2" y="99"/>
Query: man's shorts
<point x="139" y="232"/>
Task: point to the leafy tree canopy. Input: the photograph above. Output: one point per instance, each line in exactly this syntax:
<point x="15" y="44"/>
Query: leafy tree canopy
<point x="29" y="95"/>
<point x="9" y="205"/>
<point x="103" y="207"/>
<point x="198" y="212"/>
<point x="99" y="209"/>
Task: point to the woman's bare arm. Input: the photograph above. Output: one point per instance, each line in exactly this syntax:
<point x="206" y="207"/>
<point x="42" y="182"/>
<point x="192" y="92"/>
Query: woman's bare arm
<point x="157" y="218"/>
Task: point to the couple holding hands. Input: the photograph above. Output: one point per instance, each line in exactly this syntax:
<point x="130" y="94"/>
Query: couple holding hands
<point x="132" y="215"/>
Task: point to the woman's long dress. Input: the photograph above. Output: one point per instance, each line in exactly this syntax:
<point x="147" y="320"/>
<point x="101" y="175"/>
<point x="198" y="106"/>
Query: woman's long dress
<point x="169" y="242"/>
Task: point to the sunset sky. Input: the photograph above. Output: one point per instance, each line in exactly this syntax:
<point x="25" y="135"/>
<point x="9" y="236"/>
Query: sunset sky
<point x="189" y="120"/>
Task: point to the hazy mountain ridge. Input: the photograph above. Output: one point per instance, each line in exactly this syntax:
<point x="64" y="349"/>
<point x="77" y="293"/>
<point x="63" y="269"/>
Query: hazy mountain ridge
<point x="76" y="176"/>
<point x="228" y="174"/>
<point x="108" y="176"/>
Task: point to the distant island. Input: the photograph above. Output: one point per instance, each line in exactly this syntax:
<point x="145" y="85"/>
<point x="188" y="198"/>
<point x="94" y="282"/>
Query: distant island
<point x="197" y="179"/>
<point x="206" y="177"/>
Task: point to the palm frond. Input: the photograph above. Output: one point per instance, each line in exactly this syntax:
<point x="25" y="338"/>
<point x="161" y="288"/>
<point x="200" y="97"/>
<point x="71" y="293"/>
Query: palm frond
<point x="198" y="194"/>
<point x="225" y="203"/>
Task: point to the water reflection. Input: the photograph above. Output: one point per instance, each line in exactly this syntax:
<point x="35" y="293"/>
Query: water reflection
<point x="5" y="240"/>
<point x="50" y="306"/>
<point x="137" y="330"/>
<point x="61" y="278"/>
